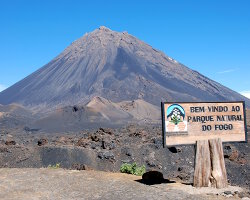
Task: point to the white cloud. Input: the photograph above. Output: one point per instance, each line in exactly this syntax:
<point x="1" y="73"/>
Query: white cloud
<point x="246" y="93"/>
<point x="227" y="71"/>
<point x="2" y="87"/>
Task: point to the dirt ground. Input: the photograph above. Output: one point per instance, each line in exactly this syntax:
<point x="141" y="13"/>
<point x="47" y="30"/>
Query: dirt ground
<point x="45" y="183"/>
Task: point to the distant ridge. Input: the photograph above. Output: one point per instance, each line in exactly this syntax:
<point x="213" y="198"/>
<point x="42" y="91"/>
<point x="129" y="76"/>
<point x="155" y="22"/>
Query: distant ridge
<point x="99" y="112"/>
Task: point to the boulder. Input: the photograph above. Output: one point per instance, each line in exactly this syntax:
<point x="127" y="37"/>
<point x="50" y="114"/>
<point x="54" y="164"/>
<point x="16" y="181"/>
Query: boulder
<point x="42" y="142"/>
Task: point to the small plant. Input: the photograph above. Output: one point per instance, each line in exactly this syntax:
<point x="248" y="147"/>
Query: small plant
<point x="175" y="117"/>
<point x="56" y="166"/>
<point x="133" y="169"/>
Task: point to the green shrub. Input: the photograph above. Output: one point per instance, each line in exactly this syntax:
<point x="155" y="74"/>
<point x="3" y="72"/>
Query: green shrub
<point x="133" y="169"/>
<point x="56" y="166"/>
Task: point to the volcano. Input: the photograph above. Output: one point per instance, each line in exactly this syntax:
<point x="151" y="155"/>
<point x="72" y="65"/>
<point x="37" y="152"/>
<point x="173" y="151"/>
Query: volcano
<point x="115" y="66"/>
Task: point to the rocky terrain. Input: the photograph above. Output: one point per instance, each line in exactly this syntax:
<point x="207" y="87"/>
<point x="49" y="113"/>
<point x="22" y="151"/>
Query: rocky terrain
<point x="106" y="149"/>
<point x="99" y="112"/>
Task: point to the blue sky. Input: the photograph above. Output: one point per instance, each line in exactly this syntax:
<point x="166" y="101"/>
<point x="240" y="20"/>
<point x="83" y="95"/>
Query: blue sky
<point x="210" y="36"/>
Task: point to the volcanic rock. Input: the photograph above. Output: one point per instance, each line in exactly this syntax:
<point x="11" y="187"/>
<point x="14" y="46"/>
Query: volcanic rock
<point x="42" y="142"/>
<point x="106" y="155"/>
<point x="10" y="142"/>
<point x="152" y="177"/>
<point x="82" y="142"/>
<point x="78" y="166"/>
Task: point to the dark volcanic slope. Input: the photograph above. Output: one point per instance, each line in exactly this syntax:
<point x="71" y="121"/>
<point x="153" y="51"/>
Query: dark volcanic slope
<point x="116" y="66"/>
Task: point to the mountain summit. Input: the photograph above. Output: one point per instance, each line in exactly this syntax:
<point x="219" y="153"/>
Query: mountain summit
<point x="118" y="67"/>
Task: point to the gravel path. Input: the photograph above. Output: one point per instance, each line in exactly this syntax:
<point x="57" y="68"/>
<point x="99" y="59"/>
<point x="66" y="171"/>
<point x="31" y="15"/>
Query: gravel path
<point x="70" y="184"/>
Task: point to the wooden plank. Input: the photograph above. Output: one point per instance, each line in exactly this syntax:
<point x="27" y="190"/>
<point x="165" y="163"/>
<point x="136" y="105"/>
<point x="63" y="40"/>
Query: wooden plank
<point x="219" y="173"/>
<point x="202" y="171"/>
<point x="180" y="140"/>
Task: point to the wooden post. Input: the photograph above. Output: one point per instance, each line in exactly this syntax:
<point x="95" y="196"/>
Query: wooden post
<point x="202" y="171"/>
<point x="218" y="164"/>
<point x="210" y="167"/>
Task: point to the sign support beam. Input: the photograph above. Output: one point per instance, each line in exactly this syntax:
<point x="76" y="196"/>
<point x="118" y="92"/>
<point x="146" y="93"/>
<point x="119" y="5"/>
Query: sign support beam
<point x="210" y="167"/>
